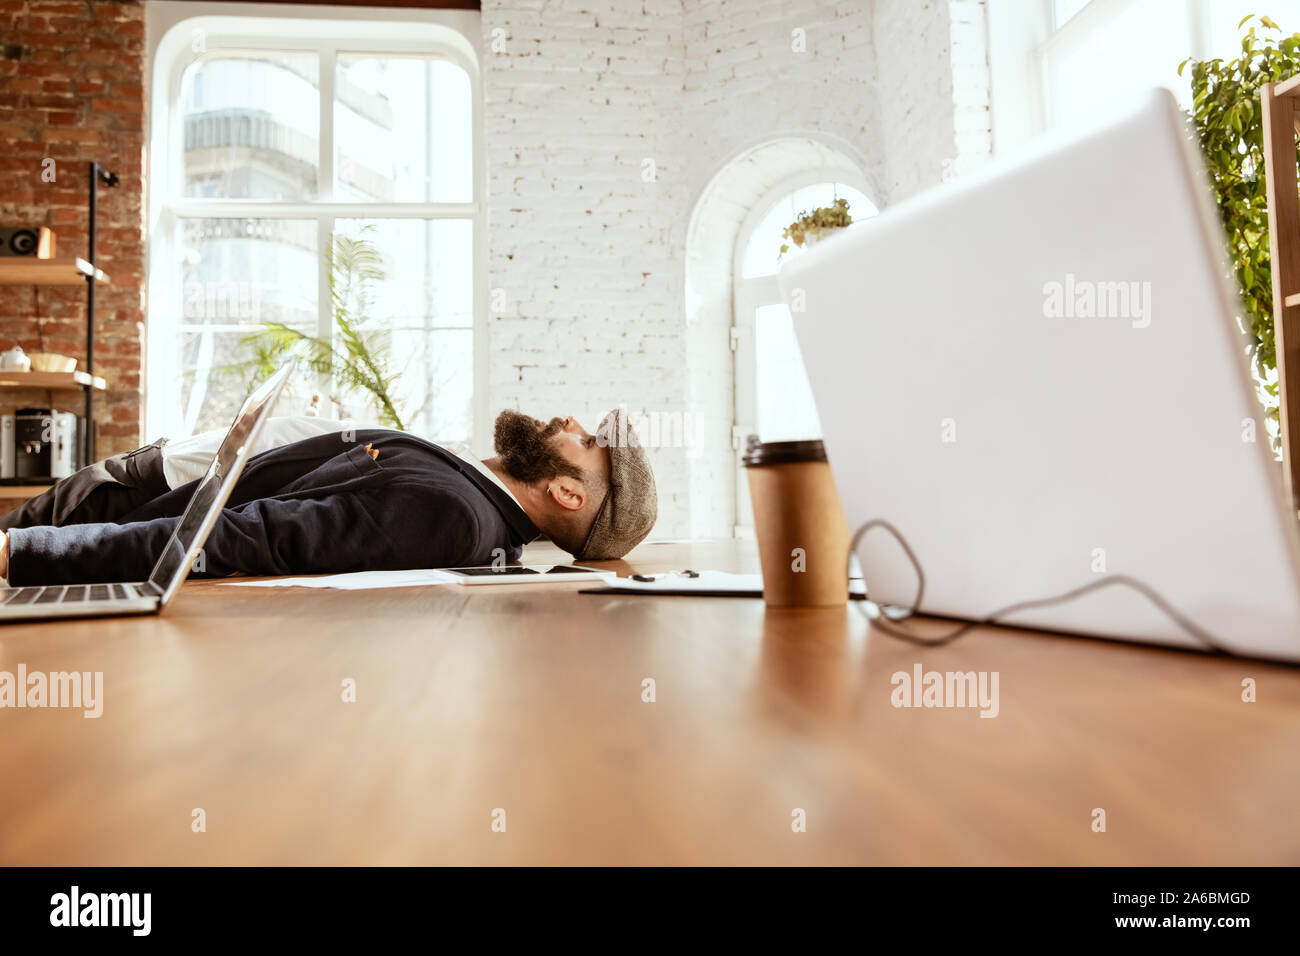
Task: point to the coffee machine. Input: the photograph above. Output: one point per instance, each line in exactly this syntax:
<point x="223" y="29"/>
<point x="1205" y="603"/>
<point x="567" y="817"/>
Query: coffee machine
<point x="38" y="445"/>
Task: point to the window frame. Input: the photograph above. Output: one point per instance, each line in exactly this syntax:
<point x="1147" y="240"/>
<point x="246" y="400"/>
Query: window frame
<point x="1023" y="35"/>
<point x="327" y="33"/>
<point x="750" y="294"/>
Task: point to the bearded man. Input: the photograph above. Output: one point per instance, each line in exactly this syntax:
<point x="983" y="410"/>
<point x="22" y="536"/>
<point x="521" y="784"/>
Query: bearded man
<point x="321" y="496"/>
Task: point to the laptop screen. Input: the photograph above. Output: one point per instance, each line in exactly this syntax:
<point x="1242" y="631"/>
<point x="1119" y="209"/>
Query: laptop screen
<point x="214" y="488"/>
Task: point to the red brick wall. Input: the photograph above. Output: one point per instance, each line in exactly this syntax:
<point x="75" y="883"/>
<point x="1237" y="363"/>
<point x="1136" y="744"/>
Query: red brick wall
<point x="71" y="90"/>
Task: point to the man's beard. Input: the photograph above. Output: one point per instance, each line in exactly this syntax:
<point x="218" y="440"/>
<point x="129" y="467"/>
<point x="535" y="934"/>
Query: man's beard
<point x="528" y="453"/>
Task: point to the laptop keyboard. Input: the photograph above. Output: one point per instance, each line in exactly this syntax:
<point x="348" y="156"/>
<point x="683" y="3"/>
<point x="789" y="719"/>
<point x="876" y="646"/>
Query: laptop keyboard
<point x="69" y="594"/>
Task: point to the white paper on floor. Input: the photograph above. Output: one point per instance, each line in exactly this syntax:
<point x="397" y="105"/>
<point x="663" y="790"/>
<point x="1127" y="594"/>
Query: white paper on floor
<point x="355" y="581"/>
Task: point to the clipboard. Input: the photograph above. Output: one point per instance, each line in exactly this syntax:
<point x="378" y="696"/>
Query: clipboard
<point x="701" y="584"/>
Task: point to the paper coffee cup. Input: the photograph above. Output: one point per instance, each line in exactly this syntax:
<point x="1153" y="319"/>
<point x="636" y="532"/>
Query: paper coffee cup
<point x="803" y="540"/>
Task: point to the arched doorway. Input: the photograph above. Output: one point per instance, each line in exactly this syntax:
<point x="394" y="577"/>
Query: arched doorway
<point x="730" y="223"/>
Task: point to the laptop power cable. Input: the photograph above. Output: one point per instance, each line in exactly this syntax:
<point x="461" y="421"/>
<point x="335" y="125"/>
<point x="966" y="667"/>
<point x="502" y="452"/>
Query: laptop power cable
<point x="1109" y="581"/>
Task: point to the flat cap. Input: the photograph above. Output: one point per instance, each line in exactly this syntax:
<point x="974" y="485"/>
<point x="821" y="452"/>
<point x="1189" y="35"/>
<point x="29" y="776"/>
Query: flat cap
<point x="631" y="505"/>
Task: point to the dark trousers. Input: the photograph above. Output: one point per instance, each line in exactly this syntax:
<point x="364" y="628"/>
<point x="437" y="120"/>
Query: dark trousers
<point x="102" y="492"/>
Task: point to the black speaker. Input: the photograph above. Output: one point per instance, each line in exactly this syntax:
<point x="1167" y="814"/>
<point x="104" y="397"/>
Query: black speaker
<point x="34" y="241"/>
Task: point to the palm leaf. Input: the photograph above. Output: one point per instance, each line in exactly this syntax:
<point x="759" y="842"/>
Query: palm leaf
<point x="357" y="357"/>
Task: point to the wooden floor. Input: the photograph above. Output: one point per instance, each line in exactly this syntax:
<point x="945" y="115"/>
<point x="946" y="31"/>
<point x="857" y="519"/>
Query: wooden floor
<point x="529" y="700"/>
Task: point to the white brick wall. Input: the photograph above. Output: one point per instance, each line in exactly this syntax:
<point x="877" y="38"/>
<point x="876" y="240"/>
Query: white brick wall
<point x="588" y="241"/>
<point x="933" y="83"/>
<point x="581" y="244"/>
<point x="972" y="119"/>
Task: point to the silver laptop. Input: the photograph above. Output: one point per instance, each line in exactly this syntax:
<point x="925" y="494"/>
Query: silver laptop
<point x="182" y="548"/>
<point x="1036" y="376"/>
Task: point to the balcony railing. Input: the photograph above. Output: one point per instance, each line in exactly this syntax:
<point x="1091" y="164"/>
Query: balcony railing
<point x="255" y="129"/>
<point x="291" y="148"/>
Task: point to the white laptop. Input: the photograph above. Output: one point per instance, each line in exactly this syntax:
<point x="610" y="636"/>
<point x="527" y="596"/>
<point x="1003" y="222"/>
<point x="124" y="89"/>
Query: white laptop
<point x="149" y="597"/>
<point x="1036" y="376"/>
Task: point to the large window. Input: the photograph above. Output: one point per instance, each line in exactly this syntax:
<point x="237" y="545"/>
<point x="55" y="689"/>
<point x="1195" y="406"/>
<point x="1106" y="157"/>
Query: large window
<point x="278" y="140"/>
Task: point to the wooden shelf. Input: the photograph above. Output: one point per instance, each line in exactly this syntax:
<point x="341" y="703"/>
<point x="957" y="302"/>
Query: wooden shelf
<point x="1289" y="87"/>
<point x="13" y="492"/>
<point x="18" y="270"/>
<point x="12" y="379"/>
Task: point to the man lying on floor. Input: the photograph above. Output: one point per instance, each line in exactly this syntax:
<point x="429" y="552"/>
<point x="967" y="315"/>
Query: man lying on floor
<point x="320" y="496"/>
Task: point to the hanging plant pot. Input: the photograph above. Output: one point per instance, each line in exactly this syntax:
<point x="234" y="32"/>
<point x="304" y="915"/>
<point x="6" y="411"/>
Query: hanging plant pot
<point x="812" y="238"/>
<point x="812" y="227"/>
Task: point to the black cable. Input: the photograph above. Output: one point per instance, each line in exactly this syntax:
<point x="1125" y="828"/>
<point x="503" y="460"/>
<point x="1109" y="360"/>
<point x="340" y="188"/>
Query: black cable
<point x="1110" y="580"/>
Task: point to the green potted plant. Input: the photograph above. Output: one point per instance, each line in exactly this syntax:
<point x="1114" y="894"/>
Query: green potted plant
<point x="1227" y="118"/>
<point x="812" y="226"/>
<point x="358" y="357"/>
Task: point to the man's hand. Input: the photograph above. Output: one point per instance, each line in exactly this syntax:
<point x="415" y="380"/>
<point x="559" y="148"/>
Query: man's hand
<point x="4" y="555"/>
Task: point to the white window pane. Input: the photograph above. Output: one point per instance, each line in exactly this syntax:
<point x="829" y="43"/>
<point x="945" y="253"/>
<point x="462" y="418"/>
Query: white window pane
<point x="248" y="271"/>
<point x="437" y="387"/>
<point x="763" y="252"/>
<point x="425" y="303"/>
<point x="1063" y="10"/>
<point x="403" y="129"/>
<point x="1222" y="17"/>
<point x="235" y="275"/>
<point x="1097" y="72"/>
<point x="217" y="379"/>
<point x="786" y="410"/>
<point x="252" y="126"/>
